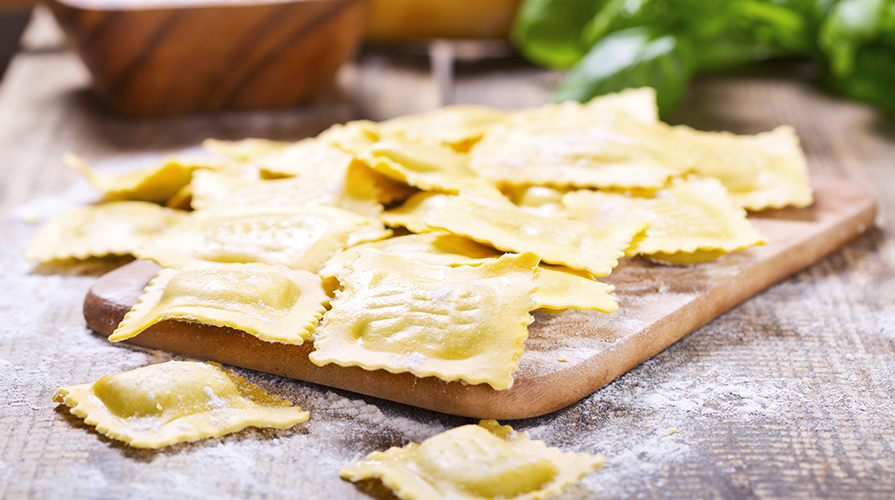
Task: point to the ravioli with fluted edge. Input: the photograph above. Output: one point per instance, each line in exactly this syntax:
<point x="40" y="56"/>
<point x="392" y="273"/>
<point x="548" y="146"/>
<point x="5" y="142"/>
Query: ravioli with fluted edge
<point x="113" y="228"/>
<point x="561" y="288"/>
<point x="295" y="237"/>
<point x="571" y="243"/>
<point x="564" y="146"/>
<point x="175" y="402"/>
<point x="427" y="166"/>
<point x="157" y="183"/>
<point x="762" y="171"/>
<point x="694" y="220"/>
<point x="436" y="248"/>
<point x="459" y="126"/>
<point x="272" y="303"/>
<point x="455" y="323"/>
<point x="211" y="188"/>
<point x="484" y="461"/>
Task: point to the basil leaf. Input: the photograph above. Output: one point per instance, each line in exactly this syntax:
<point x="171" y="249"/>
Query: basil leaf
<point x="548" y="32"/>
<point x="632" y="58"/>
<point x="848" y="25"/>
<point x="872" y="77"/>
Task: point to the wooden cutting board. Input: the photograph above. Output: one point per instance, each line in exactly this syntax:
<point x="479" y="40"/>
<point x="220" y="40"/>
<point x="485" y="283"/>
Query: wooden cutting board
<point x="568" y="355"/>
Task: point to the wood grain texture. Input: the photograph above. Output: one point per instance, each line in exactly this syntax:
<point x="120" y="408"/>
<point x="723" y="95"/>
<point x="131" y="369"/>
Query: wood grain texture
<point x="206" y="57"/>
<point x="567" y="356"/>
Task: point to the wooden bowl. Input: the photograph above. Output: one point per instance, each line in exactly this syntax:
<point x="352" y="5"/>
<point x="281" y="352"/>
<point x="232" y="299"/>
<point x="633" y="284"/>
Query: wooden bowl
<point x="399" y="21"/>
<point x="178" y="57"/>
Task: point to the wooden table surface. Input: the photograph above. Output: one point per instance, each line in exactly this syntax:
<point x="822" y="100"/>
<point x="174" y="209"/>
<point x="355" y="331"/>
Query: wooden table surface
<point x="789" y="395"/>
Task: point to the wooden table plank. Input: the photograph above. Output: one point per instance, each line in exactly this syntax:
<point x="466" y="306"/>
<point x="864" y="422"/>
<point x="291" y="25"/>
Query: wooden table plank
<point x="789" y="395"/>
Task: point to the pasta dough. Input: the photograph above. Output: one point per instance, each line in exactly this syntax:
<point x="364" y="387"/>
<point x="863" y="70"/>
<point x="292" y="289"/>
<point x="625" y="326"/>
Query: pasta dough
<point x="114" y="228"/>
<point x="174" y="402"/>
<point x="474" y="462"/>
<point x="454" y="323"/>
<point x="274" y="304"/>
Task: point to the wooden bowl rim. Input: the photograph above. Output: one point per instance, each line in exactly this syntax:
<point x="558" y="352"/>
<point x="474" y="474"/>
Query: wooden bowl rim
<point x="170" y="5"/>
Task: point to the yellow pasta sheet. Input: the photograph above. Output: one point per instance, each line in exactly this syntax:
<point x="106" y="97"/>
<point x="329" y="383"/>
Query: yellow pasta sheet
<point x="571" y="243"/>
<point x="174" y="402"/>
<point x="454" y="323"/>
<point x="114" y="228"/>
<point x="484" y="461"/>
<point x="275" y="304"/>
<point x="296" y="237"/>
<point x="692" y="221"/>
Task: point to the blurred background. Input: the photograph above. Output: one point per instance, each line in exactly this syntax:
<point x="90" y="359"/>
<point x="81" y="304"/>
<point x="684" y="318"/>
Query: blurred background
<point x="600" y="46"/>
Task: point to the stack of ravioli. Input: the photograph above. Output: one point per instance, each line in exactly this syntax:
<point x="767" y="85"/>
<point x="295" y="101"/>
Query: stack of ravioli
<point x="423" y="244"/>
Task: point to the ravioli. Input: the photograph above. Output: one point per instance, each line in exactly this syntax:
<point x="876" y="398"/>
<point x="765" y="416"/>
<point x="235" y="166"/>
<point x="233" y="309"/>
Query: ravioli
<point x="214" y="188"/>
<point x="484" y="461"/>
<point x="114" y="228"/>
<point x="561" y="288"/>
<point x="175" y="402"/>
<point x="454" y="323"/>
<point x="427" y="166"/>
<point x="565" y="146"/>
<point x="692" y="221"/>
<point x="413" y="212"/>
<point x="274" y="304"/>
<point x="763" y="171"/>
<point x="296" y="237"/>
<point x="618" y="144"/>
<point x="571" y="243"/>
<point x="458" y="126"/>
<point x="435" y="249"/>
<point x="305" y="158"/>
<point x="155" y="184"/>
<point x="539" y="200"/>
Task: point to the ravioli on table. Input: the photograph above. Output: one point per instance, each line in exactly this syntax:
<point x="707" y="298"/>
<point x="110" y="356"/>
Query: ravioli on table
<point x="174" y="402"/>
<point x="295" y="237"/>
<point x="114" y="228"/>
<point x="484" y="461"/>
